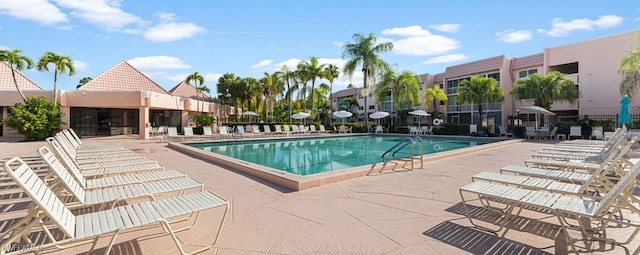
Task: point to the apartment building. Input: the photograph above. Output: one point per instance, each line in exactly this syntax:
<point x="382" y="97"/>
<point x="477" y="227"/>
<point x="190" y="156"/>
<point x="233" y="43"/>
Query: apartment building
<point x="591" y="64"/>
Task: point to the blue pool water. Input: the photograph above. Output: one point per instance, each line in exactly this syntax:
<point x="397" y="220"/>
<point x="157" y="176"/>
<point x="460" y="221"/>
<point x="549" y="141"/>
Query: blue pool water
<point x="304" y="156"/>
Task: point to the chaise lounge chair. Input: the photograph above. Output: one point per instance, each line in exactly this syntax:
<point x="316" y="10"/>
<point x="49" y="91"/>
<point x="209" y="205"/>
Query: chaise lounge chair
<point x="564" y="207"/>
<point x="49" y="211"/>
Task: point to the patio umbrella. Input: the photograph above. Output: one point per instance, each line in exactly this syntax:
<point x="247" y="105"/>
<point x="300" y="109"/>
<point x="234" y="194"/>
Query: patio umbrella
<point x="300" y="115"/>
<point x="378" y="116"/>
<point x="537" y="110"/>
<point x="249" y="113"/>
<point x="419" y="113"/>
<point x="343" y="114"/>
<point x="625" y="115"/>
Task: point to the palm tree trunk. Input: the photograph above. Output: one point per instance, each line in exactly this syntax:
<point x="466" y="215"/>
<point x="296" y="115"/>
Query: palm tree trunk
<point x="289" y="92"/>
<point x="13" y="74"/>
<point x="366" y="107"/>
<point x="330" y="103"/>
<point x="55" y="90"/>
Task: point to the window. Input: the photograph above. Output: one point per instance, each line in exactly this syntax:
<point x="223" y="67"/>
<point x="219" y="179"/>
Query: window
<point x="371" y="107"/>
<point x="360" y="108"/>
<point x="525" y="73"/>
<point x="522" y="74"/>
<point x="360" y="97"/>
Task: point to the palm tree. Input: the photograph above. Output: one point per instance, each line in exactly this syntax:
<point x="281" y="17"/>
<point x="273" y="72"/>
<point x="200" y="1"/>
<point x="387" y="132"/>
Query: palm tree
<point x="61" y="63"/>
<point x="630" y="69"/>
<point x="230" y="90"/>
<point x="303" y="76"/>
<point x="364" y="51"/>
<point x="198" y="80"/>
<point x="271" y="87"/>
<point x="404" y="86"/>
<point x="331" y="73"/>
<point x="16" y="62"/>
<point x="314" y="71"/>
<point x="431" y="95"/>
<point x="546" y="89"/>
<point x="479" y="90"/>
<point x="288" y="77"/>
<point x="83" y="81"/>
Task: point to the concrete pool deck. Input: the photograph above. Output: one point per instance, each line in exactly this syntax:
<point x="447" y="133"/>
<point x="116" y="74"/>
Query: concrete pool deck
<point x="394" y="212"/>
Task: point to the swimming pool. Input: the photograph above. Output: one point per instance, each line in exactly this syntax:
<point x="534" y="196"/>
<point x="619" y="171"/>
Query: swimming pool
<point x="305" y="156"/>
<point x="335" y="157"/>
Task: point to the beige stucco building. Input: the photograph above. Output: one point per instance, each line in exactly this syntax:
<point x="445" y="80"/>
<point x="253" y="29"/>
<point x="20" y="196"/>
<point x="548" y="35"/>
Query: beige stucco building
<point x="121" y="100"/>
<point x="591" y="64"/>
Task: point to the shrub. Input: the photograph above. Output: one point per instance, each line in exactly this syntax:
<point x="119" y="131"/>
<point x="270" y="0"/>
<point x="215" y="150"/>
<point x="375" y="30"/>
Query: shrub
<point x="202" y="120"/>
<point x="36" y="120"/>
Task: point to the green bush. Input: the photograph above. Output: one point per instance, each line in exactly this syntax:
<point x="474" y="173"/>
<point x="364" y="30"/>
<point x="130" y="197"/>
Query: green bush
<point x="202" y="120"/>
<point x="448" y="129"/>
<point x="36" y="120"/>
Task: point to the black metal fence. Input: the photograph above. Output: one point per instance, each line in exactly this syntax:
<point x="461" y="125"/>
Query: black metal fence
<point x="609" y="122"/>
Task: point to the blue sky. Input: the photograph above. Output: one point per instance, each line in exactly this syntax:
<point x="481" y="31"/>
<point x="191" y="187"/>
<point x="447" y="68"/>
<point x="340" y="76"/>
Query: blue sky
<point x="168" y="40"/>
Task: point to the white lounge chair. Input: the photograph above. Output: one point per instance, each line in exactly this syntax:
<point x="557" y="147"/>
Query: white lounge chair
<point x="279" y="130"/>
<point x="49" y="211"/>
<point x="102" y="168"/>
<point x="565" y="207"/>
<point x="172" y="134"/>
<point x="208" y="133"/>
<point x="504" y="133"/>
<point x="575" y="131"/>
<point x="323" y="129"/>
<point x="107" y="181"/>
<point x="65" y="183"/>
<point x="598" y="133"/>
<point x="599" y="182"/>
<point x="224" y="132"/>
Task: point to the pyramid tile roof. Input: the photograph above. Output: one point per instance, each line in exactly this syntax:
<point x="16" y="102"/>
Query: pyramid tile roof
<point x="184" y="89"/>
<point x="6" y="80"/>
<point x="123" y="77"/>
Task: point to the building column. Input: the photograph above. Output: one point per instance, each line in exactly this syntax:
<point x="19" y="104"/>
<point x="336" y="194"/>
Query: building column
<point x="66" y="117"/>
<point x="144" y="124"/>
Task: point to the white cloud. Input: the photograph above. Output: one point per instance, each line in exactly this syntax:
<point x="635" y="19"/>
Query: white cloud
<point x="416" y="41"/>
<point x="562" y="28"/>
<point x="449" y="28"/>
<point x="410" y="31"/>
<point x="170" y="30"/>
<point x="261" y="64"/>
<point x="446" y="59"/>
<point x="514" y="36"/>
<point x="103" y="13"/>
<point x="80" y="66"/>
<point x="158" y="63"/>
<point x="40" y="11"/>
<point x="338" y="43"/>
<point x="2" y="47"/>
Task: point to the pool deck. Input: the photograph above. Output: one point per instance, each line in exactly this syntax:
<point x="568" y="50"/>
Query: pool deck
<point x="393" y="212"/>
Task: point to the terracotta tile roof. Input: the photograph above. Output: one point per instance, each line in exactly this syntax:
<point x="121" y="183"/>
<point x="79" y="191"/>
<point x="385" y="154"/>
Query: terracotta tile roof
<point x="528" y="61"/>
<point x="471" y="68"/>
<point x="123" y="77"/>
<point x="6" y="80"/>
<point x="184" y="89"/>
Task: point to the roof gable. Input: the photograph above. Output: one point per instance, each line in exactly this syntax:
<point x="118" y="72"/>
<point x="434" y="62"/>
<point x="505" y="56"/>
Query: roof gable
<point x="6" y="80"/>
<point x="184" y="89"/>
<point x="123" y="77"/>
